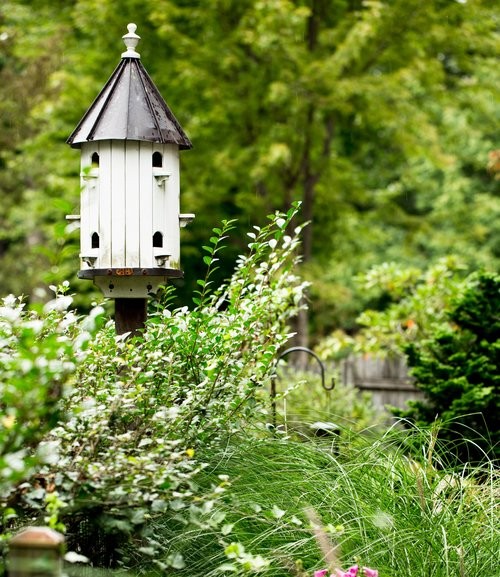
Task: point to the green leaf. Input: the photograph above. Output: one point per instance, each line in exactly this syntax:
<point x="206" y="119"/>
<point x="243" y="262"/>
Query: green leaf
<point x="227" y="567"/>
<point x="277" y="512"/>
<point x="138" y="516"/>
<point x="227" y="528"/>
<point x="176" y="561"/>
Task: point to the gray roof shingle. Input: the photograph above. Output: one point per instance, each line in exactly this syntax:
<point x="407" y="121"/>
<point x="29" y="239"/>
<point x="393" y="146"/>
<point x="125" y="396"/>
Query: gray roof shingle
<point x="129" y="107"/>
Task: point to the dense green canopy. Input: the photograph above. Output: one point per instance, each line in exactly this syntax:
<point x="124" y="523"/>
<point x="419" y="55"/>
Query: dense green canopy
<point x="380" y="115"/>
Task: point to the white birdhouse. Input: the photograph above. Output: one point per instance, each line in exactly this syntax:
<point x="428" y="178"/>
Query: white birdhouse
<point x="130" y="215"/>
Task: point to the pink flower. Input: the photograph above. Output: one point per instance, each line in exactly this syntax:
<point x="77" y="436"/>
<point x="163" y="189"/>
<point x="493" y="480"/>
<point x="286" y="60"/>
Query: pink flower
<point x="351" y="572"/>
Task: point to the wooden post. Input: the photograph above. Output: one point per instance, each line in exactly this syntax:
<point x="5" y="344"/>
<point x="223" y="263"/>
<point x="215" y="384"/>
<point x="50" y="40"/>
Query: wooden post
<point x="130" y="315"/>
<point x="36" y="552"/>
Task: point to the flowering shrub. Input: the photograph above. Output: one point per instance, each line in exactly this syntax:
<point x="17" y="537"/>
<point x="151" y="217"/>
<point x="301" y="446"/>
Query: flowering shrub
<point x="412" y="305"/>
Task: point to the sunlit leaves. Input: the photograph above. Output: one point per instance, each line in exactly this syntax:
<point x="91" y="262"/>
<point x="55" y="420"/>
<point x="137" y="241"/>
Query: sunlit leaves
<point x="39" y="353"/>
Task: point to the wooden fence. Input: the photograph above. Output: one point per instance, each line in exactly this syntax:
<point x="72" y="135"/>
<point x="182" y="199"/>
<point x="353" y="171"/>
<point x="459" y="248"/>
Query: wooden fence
<point x="387" y="379"/>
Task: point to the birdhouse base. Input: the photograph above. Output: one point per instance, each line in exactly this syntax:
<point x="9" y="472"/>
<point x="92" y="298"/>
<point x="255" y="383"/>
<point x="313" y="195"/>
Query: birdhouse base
<point x="134" y="287"/>
<point x="129" y="283"/>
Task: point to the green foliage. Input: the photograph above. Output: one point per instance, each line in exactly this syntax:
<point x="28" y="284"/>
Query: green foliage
<point x="378" y="115"/>
<point x="377" y="505"/>
<point x="143" y="411"/>
<point x="32" y="173"/>
<point x="447" y="325"/>
<point x="163" y="463"/>
<point x="416" y="302"/>
<point x="458" y="369"/>
<point x="407" y="306"/>
<point x="39" y="353"/>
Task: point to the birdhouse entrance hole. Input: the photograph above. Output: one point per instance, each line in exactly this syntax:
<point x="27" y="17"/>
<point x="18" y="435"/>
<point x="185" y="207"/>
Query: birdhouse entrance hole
<point x="95" y="160"/>
<point x="157" y="239"/>
<point x="157" y="160"/>
<point x="95" y="240"/>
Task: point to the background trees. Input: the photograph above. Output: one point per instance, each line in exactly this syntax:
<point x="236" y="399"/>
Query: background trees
<point x="378" y="115"/>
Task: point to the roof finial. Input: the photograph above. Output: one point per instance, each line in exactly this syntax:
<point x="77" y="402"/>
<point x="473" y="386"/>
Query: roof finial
<point x="131" y="40"/>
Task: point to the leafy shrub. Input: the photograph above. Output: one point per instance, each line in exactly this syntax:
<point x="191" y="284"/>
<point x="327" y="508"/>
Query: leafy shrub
<point x="39" y="354"/>
<point x="147" y="408"/>
<point x="408" y="305"/>
<point x="447" y="325"/>
<point x="458" y="369"/>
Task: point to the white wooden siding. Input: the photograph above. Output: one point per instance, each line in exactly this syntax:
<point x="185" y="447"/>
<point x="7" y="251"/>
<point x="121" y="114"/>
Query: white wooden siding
<point x="146" y="205"/>
<point x="117" y="207"/>
<point x="105" y="205"/>
<point x="89" y="212"/>
<point x="126" y="200"/>
<point x="172" y="235"/>
<point x="132" y="204"/>
<point x="85" y="207"/>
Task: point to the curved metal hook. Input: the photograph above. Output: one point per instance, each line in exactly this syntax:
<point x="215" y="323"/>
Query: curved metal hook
<point x="314" y="355"/>
<point x="273" y="378"/>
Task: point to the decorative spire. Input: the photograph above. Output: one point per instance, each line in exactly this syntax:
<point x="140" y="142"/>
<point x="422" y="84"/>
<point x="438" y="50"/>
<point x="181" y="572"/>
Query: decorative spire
<point x="131" y="40"/>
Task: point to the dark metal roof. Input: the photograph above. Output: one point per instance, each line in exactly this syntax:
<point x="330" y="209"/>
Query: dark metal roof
<point x="129" y="107"/>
